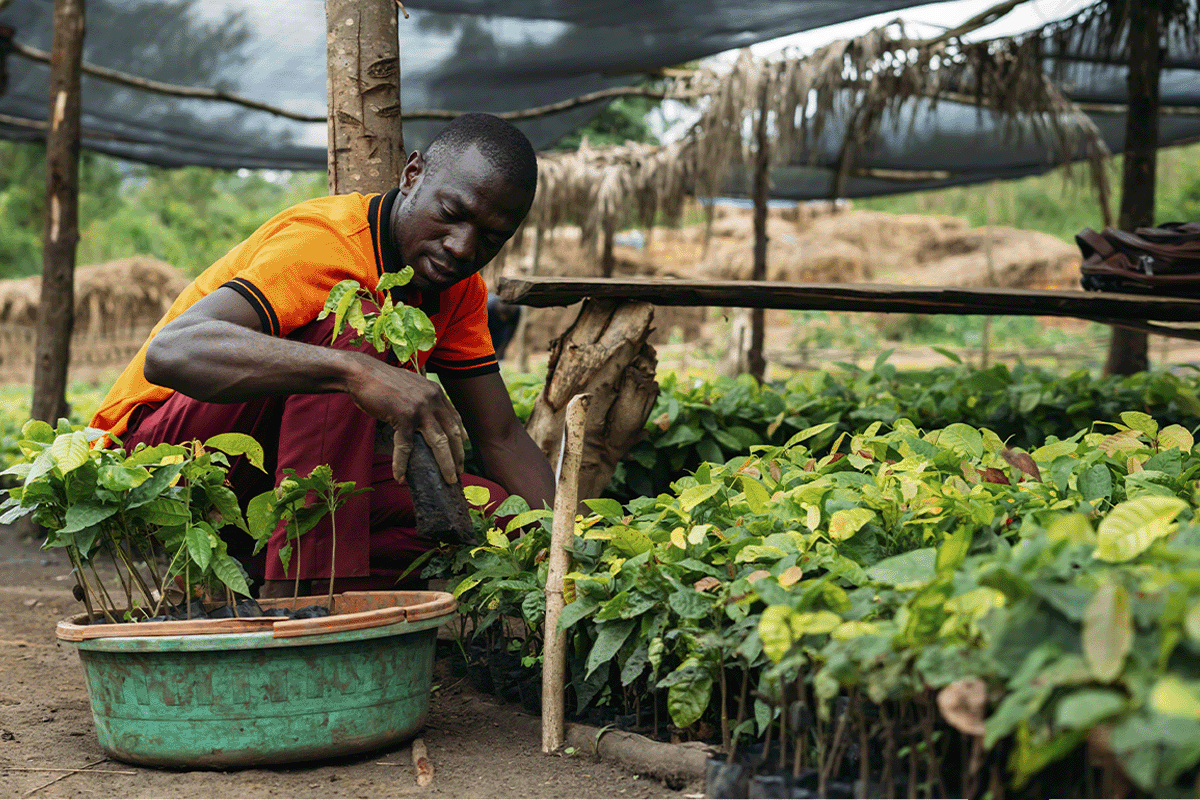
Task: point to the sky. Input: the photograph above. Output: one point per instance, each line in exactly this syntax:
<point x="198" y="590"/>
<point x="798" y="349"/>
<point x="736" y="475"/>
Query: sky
<point x="930" y="19"/>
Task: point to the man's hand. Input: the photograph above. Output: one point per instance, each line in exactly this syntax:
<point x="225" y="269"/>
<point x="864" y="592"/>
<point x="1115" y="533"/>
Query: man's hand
<point x="409" y="402"/>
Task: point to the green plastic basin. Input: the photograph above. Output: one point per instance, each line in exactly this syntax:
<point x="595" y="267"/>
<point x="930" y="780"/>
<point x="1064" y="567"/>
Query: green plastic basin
<point x="223" y="700"/>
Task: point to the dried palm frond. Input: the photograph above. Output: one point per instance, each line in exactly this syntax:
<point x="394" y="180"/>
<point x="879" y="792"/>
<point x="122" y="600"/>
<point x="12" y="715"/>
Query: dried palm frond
<point x="855" y="86"/>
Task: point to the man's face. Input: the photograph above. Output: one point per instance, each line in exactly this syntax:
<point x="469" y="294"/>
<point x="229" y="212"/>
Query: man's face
<point x="453" y="219"/>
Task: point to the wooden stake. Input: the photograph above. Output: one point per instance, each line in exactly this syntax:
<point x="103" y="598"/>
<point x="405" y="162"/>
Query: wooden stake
<point x="424" y="766"/>
<point x="566" y="498"/>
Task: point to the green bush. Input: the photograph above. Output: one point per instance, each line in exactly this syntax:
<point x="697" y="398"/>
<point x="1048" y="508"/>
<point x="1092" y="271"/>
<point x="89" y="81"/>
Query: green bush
<point x="878" y="571"/>
<point x="713" y="421"/>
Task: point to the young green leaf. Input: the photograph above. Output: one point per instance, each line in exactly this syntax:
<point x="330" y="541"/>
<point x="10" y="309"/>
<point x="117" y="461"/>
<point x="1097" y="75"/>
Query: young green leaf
<point x="1131" y="527"/>
<point x="1140" y="421"/>
<point x="390" y="280"/>
<point x="238" y="444"/>
<point x="846" y="522"/>
<point x="477" y="496"/>
<point x="953" y="549"/>
<point x="962" y="438"/>
<point x="690" y="498"/>
<point x="605" y="507"/>
<point x="690" y="694"/>
<point x="1108" y="631"/>
<point x="69" y="451"/>
<point x="230" y="572"/>
<point x="199" y="539"/>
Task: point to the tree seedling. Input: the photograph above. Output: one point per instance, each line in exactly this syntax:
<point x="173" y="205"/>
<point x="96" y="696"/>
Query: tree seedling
<point x="300" y="503"/>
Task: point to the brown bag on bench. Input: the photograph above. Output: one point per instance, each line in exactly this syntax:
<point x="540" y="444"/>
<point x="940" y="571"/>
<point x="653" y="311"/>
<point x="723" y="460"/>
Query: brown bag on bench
<point x="1162" y="260"/>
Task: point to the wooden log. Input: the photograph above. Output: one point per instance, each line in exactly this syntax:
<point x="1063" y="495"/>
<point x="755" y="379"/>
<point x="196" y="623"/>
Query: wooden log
<point x="676" y="765"/>
<point x="877" y="297"/>
<point x="566" y="498"/>
<point x="421" y="762"/>
<point x="604" y="353"/>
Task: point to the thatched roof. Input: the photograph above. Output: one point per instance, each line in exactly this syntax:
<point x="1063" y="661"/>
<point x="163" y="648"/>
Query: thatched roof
<point x="128" y="294"/>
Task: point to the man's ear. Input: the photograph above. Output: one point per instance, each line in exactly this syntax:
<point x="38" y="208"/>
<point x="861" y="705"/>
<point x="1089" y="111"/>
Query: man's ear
<point x="413" y="169"/>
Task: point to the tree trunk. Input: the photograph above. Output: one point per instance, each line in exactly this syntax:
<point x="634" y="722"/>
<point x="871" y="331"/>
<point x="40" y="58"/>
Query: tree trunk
<point x="604" y="353"/>
<point x="756" y="363"/>
<point x="56" y="307"/>
<point x="1127" y="348"/>
<point x="366" y="141"/>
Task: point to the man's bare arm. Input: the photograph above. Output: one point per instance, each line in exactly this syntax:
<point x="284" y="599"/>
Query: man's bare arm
<point x="216" y="352"/>
<point x="509" y="457"/>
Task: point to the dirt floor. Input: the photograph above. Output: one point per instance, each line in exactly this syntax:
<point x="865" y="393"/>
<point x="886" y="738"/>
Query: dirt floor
<point x="479" y="746"/>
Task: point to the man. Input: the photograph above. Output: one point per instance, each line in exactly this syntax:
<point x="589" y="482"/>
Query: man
<point x="241" y="350"/>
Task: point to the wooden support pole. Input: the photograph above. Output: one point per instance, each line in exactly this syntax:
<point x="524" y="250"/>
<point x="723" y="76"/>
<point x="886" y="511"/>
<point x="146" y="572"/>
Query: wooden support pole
<point x="566" y="498"/>
<point x="1127" y="350"/>
<point x="56" y="306"/>
<point x="756" y="363"/>
<point x="366" y="138"/>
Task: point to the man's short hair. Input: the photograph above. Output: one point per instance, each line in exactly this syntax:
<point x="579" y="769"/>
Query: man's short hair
<point x="502" y="144"/>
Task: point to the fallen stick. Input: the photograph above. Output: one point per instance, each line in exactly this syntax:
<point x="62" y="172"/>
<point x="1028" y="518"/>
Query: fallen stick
<point x="562" y="534"/>
<point x="69" y="773"/>
<point x="76" y="769"/>
<point x="421" y="761"/>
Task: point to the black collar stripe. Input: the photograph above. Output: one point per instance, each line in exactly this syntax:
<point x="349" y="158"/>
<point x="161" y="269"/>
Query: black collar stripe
<point x="379" y="214"/>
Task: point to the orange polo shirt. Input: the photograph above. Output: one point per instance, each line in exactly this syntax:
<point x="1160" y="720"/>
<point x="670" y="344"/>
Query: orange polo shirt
<point x="285" y="270"/>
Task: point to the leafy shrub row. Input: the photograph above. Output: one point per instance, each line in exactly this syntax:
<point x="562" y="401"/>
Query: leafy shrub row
<point x="925" y="594"/>
<point x="714" y="421"/>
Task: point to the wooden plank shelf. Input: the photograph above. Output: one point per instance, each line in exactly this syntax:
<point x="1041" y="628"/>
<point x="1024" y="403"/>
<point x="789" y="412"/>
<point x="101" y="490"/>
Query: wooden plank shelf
<point x="1110" y="308"/>
<point x="1101" y="306"/>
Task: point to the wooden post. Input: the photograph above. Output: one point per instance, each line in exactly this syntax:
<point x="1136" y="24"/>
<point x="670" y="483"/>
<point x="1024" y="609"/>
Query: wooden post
<point x="985" y="343"/>
<point x="1127" y="348"/>
<point x="56" y="307"/>
<point x="608" y="260"/>
<point x="756" y="363"/>
<point x="366" y="140"/>
<point x="566" y="498"/>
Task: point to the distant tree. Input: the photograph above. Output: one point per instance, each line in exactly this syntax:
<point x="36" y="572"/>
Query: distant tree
<point x="622" y="120"/>
<point x="23" y="201"/>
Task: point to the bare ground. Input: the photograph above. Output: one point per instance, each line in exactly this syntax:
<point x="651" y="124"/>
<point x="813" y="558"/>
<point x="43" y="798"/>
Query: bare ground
<point x="479" y="746"/>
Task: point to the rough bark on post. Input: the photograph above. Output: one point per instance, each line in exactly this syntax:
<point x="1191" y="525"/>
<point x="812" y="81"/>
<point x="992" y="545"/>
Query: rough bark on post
<point x="566" y="497"/>
<point x="366" y="141"/>
<point x="56" y="307"/>
<point x="604" y="353"/>
<point x="1127" y="348"/>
